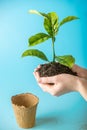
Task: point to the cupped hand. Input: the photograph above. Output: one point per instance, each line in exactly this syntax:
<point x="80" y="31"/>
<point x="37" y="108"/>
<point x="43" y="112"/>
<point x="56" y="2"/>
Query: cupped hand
<point x="64" y="83"/>
<point x="57" y="85"/>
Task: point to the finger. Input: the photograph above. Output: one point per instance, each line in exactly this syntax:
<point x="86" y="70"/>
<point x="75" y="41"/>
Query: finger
<point x="76" y="68"/>
<point x="38" y="67"/>
<point x="50" y="89"/>
<point x="46" y="88"/>
<point x="47" y="80"/>
<point x="43" y="79"/>
<point x="36" y="74"/>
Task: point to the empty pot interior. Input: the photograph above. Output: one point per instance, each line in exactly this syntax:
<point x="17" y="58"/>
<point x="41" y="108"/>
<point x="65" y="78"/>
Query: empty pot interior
<point x="26" y="100"/>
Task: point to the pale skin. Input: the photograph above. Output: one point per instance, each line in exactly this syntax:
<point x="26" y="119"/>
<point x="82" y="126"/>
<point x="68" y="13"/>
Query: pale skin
<point x="64" y="83"/>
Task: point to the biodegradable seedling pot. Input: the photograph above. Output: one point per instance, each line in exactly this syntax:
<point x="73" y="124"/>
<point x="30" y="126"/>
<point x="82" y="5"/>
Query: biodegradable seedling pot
<point x="25" y="106"/>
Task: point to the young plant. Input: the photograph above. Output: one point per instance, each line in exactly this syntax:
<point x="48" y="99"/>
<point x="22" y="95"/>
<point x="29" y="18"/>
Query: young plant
<point x="52" y="26"/>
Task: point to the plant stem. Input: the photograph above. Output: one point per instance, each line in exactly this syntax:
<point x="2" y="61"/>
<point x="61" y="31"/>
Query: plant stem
<point x="53" y="40"/>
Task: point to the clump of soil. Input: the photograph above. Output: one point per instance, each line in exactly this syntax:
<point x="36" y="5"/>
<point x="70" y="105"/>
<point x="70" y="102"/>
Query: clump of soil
<point x="55" y="68"/>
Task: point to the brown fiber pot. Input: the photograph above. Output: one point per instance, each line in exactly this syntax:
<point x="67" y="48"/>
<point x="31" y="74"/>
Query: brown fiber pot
<point x="25" y="106"/>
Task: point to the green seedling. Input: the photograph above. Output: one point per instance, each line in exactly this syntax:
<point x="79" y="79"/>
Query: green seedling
<point x="51" y="25"/>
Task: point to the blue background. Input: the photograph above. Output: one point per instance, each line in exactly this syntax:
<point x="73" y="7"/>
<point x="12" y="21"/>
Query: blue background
<point x="67" y="112"/>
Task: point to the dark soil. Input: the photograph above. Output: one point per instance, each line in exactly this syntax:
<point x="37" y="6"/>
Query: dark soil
<point x="55" y="68"/>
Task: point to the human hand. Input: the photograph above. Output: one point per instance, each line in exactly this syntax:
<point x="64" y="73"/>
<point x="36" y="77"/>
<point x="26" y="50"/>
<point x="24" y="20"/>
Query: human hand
<point x="64" y="83"/>
<point x="57" y="85"/>
<point x="81" y="72"/>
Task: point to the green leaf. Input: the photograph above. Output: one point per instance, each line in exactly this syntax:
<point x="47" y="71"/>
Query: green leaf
<point x="38" y="38"/>
<point x="67" y="60"/>
<point x="68" y="19"/>
<point x="35" y="52"/>
<point x="51" y="23"/>
<point x="38" y="13"/>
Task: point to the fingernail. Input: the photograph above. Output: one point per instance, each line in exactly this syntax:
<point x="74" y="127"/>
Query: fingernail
<point x="35" y="70"/>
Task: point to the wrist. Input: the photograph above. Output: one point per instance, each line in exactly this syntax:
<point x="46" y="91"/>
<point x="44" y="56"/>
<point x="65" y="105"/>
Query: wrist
<point x="83" y="73"/>
<point x="82" y="87"/>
